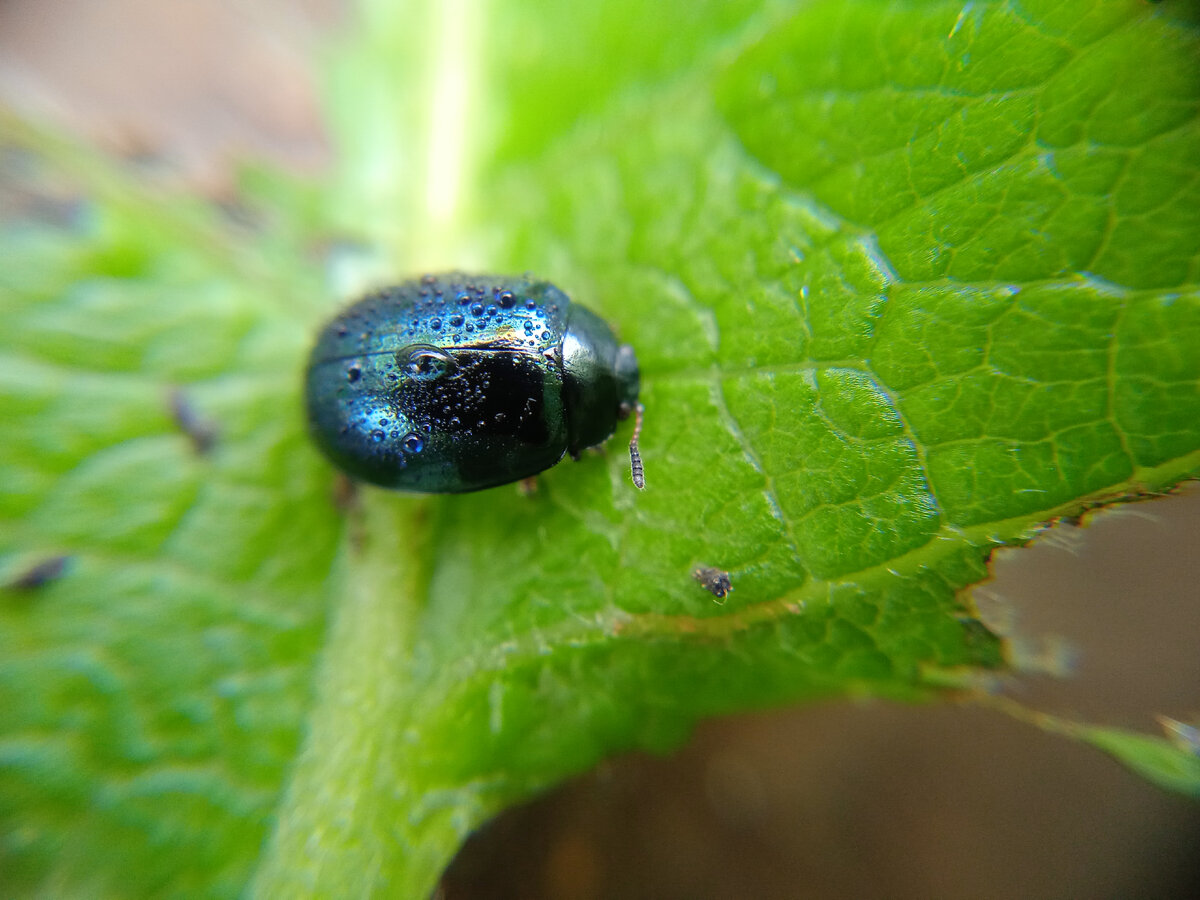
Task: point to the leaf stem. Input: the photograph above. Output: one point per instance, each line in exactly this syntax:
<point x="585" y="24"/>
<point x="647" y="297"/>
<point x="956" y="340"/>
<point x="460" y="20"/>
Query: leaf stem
<point x="343" y="825"/>
<point x="454" y="80"/>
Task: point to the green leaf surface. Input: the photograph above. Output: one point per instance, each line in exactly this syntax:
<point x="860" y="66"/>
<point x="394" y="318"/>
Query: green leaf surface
<point x="1167" y="765"/>
<point x="906" y="280"/>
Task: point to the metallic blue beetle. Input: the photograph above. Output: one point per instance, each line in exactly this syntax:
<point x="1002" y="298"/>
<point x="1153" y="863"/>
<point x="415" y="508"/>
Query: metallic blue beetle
<point x="461" y="382"/>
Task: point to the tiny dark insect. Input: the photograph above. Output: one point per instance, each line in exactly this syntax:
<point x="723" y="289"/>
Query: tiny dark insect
<point x="459" y="382"/>
<point x="713" y="580"/>
<point x="40" y="574"/>
<point x="201" y="431"/>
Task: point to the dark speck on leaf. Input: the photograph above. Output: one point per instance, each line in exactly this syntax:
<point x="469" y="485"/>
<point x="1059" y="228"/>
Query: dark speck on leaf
<point x="40" y="574"/>
<point x="201" y="431"/>
<point x="713" y="580"/>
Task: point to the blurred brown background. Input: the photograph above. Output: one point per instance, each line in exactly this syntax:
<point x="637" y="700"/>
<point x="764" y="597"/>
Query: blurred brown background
<point x="838" y="801"/>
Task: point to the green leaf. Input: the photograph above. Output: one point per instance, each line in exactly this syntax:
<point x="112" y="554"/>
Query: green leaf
<point x="1167" y="765"/>
<point x="1171" y="762"/>
<point x="906" y="281"/>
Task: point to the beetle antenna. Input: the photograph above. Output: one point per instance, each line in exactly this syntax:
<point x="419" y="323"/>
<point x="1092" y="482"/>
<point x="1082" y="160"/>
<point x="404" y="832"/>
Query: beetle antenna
<point x="635" y="457"/>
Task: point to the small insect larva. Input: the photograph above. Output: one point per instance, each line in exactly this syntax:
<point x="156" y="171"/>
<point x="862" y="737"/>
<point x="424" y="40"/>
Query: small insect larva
<point x="716" y="581"/>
